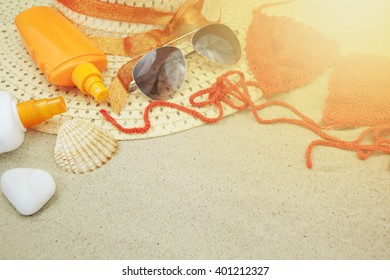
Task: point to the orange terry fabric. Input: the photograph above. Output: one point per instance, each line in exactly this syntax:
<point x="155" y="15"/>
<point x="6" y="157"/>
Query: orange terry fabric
<point x="359" y="92"/>
<point x="284" y="54"/>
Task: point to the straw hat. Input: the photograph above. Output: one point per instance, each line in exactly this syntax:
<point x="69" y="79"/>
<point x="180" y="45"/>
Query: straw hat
<point x="21" y="77"/>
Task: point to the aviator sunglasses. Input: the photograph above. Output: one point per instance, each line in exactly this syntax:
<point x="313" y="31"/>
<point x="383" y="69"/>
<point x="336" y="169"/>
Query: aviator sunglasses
<point x="161" y="72"/>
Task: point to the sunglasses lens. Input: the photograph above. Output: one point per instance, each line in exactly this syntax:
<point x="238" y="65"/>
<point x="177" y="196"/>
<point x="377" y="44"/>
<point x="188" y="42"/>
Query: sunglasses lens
<point x="160" y="73"/>
<point x="218" y="43"/>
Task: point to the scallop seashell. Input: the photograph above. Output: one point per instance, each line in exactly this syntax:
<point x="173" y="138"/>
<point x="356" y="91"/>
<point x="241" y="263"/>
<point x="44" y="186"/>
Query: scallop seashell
<point x="82" y="147"/>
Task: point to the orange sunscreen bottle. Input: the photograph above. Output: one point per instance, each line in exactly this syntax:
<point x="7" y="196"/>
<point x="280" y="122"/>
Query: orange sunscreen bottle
<point x="15" y="118"/>
<point x="62" y="52"/>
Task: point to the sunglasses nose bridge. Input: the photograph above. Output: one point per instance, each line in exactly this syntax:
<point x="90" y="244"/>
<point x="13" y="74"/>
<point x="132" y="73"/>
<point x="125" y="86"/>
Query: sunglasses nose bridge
<point x="187" y="48"/>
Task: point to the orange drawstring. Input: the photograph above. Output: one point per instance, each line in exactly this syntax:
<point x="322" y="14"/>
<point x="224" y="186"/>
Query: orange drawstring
<point x="235" y="93"/>
<point x="364" y="151"/>
<point x="215" y="95"/>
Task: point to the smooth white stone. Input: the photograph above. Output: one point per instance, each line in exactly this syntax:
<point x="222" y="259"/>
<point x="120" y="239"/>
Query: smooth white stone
<point x="27" y="189"/>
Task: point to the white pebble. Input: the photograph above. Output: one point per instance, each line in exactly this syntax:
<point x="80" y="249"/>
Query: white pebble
<point x="27" y="189"/>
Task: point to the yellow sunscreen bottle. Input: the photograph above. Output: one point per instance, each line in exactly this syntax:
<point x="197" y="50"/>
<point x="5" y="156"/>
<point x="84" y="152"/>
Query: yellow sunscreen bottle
<point x="62" y="52"/>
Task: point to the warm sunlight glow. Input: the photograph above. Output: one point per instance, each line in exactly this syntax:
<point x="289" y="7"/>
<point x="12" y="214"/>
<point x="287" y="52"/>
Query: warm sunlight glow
<point x="361" y="25"/>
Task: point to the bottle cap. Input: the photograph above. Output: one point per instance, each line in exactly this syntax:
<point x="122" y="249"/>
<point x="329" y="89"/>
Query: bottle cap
<point x="33" y="112"/>
<point x="89" y="80"/>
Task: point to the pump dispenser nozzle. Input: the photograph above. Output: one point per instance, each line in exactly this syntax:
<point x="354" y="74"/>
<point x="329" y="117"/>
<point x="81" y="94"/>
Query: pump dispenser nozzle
<point x="33" y="112"/>
<point x="89" y="80"/>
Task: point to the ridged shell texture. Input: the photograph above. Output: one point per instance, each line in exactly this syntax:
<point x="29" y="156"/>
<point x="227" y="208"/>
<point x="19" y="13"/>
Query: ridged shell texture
<point x="82" y="147"/>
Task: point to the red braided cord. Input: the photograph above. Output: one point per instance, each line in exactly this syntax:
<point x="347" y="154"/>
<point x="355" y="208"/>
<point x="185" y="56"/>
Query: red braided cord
<point x="236" y="95"/>
<point x="216" y="93"/>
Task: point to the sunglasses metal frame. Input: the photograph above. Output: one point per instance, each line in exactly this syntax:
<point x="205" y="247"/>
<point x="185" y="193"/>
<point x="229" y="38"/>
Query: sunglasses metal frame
<point x="176" y="42"/>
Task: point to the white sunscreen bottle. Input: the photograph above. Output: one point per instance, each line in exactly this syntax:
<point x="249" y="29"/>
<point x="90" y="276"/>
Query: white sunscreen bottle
<point x="16" y="118"/>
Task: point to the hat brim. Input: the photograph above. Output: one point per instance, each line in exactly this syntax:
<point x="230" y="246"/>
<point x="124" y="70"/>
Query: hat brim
<point x="21" y="77"/>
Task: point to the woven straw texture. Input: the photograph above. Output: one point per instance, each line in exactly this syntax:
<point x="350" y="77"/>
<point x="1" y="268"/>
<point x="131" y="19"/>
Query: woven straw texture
<point x="21" y="77"/>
